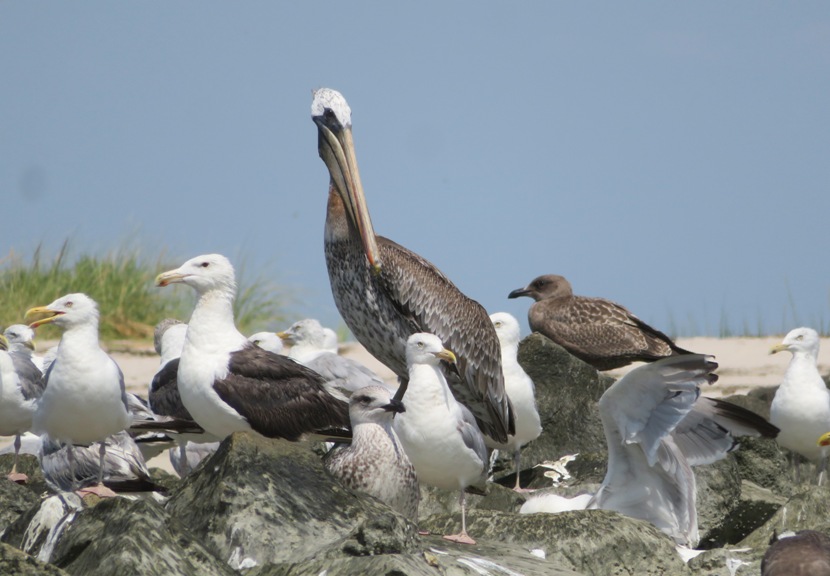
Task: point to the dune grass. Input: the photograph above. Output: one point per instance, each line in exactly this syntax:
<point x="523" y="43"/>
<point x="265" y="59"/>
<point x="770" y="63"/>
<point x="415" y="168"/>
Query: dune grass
<point x="121" y="281"/>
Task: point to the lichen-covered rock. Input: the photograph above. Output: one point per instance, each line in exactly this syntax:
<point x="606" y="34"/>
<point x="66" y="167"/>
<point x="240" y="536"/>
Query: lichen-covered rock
<point x="438" y="557"/>
<point x="258" y="500"/>
<point x="37" y="530"/>
<point x="15" y="500"/>
<point x="718" y="494"/>
<point x="121" y="536"/>
<point x="596" y="542"/>
<point x="29" y="466"/>
<point x="755" y="507"/>
<point x="17" y="563"/>
<point x="806" y="510"/>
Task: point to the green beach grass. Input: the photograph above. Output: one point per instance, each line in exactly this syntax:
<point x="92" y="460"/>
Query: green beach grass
<point x="122" y="282"/>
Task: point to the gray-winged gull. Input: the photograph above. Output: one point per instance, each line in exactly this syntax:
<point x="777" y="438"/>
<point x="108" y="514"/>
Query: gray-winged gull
<point x="438" y="433"/>
<point x="84" y="400"/>
<point x="520" y="390"/>
<point x="21" y="385"/>
<point x="657" y="427"/>
<point x="309" y="346"/>
<point x="801" y="405"/>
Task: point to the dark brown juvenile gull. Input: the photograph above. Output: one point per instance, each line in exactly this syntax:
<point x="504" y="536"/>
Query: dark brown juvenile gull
<point x="385" y="293"/>
<point x="806" y="553"/>
<point x="375" y="462"/>
<point x="228" y="384"/>
<point x="597" y="331"/>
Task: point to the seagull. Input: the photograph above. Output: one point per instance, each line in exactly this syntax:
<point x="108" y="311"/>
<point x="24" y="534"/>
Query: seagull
<point x="311" y="347"/>
<point x="268" y="341"/>
<point x="22" y="339"/>
<point x="21" y="385"/>
<point x="438" y="433"/>
<point x="124" y="464"/>
<point x="84" y="400"/>
<point x="228" y="384"/>
<point x="801" y="405"/>
<point x="657" y="426"/>
<point x="597" y="331"/>
<point x="375" y="462"/>
<point x="385" y="293"/>
<point x="165" y="400"/>
<point x="805" y="553"/>
<point x="520" y="390"/>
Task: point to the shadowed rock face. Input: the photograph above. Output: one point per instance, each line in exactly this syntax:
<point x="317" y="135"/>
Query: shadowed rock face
<point x="13" y="561"/>
<point x="120" y="536"/>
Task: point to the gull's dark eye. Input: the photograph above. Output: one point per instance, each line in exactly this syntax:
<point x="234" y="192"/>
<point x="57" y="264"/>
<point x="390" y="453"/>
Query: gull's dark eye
<point x="363" y="399"/>
<point x="68" y="304"/>
<point x="800" y="337"/>
<point x="204" y="264"/>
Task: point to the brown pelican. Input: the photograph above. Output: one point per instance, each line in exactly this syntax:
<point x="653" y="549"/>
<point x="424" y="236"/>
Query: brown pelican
<point x="595" y="330"/>
<point x="386" y="293"/>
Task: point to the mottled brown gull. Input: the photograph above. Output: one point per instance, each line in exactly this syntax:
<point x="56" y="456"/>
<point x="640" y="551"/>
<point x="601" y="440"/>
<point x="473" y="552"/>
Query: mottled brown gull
<point x="595" y="330"/>
<point x="375" y="462"/>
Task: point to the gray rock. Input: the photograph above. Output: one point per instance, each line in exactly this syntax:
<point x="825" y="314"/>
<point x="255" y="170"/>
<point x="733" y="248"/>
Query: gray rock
<point x="596" y="542"/>
<point x="15" y="500"/>
<point x="718" y="494"/>
<point x="718" y="562"/>
<point x="806" y="510"/>
<point x="755" y="507"/>
<point x="29" y="466"/>
<point x="121" y="536"/>
<point x="17" y="563"/>
<point x="438" y="557"/>
<point x="37" y="530"/>
<point x="258" y="501"/>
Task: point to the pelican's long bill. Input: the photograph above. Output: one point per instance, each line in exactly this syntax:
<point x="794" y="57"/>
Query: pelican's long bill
<point x="336" y="148"/>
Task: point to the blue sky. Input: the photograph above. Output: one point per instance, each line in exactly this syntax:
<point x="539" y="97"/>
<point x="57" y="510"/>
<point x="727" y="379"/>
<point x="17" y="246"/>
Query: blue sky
<point x="673" y="157"/>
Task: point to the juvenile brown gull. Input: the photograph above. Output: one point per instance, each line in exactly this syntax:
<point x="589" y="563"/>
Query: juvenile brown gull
<point x="84" y="400"/>
<point x="385" y="293"/>
<point x="437" y="432"/>
<point x="805" y="553"/>
<point x="595" y="330"/>
<point x="375" y="462"/>
<point x="228" y="384"/>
